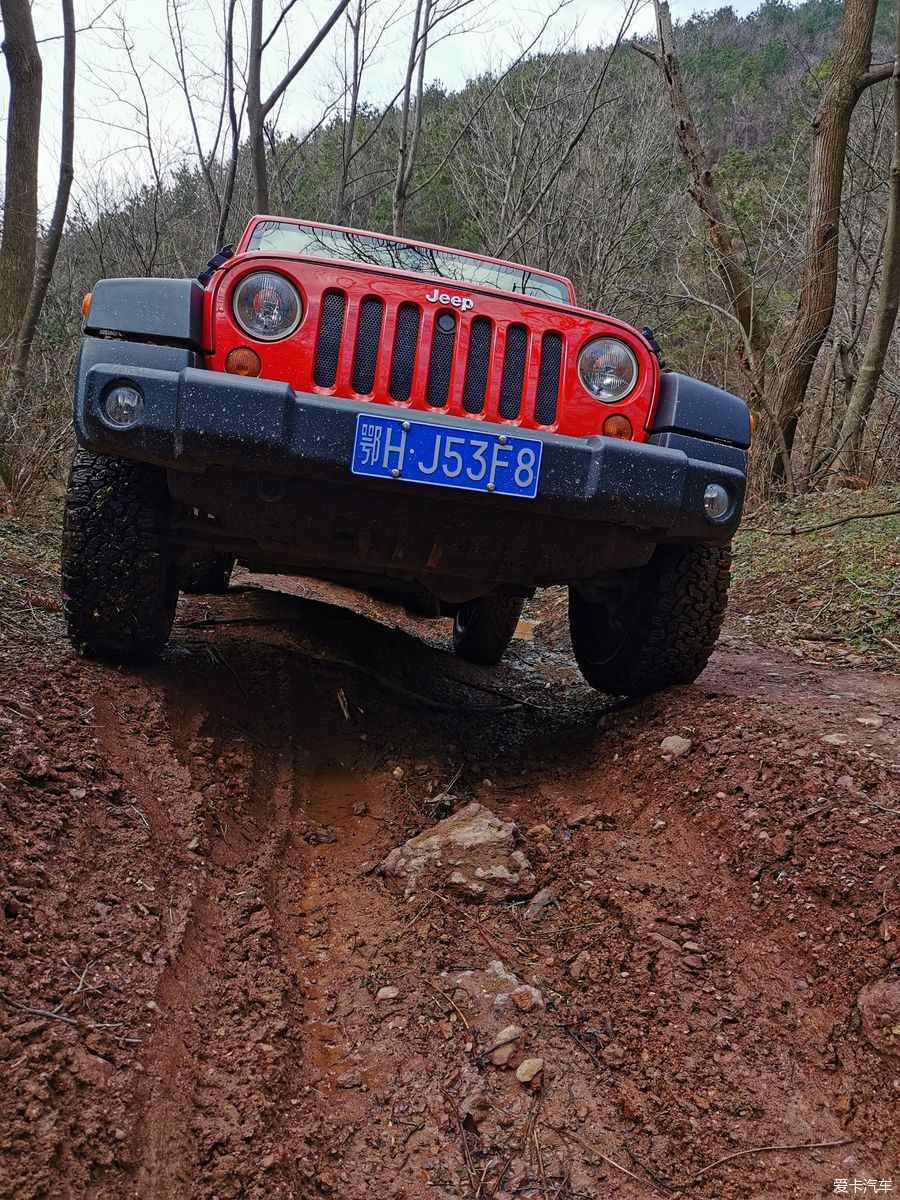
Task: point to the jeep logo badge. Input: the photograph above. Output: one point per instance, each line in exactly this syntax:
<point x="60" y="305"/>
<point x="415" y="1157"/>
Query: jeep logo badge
<point x="461" y="302"/>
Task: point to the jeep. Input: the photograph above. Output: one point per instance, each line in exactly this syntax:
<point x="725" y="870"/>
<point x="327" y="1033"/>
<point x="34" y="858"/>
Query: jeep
<point x="404" y="418"/>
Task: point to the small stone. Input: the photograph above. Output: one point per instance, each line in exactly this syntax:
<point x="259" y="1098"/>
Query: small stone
<point x="675" y="745"/>
<point x="398" y="772"/>
<point x="350" y="1079"/>
<point x="613" y="1054"/>
<point x="193" y="843"/>
<point x="360" y="808"/>
<point x="579" y="967"/>
<point x="539" y="831"/>
<point x="529" y="1069"/>
<point x="387" y="993"/>
<point x="526" y="999"/>
<point x="871" y="721"/>
<point x="505" y="1045"/>
<point x="582" y="816"/>
<point x="834" y="739"/>
<point x="539" y="902"/>
<point x="692" y="947"/>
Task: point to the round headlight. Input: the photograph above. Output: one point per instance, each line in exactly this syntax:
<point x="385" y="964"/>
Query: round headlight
<point x="607" y="369"/>
<point x="267" y="306"/>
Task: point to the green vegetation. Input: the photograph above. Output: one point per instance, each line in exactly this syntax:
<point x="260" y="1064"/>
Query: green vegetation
<point x="832" y="593"/>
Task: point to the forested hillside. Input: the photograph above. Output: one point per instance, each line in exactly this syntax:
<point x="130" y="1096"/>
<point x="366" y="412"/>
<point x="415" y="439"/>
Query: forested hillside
<point x="567" y="160"/>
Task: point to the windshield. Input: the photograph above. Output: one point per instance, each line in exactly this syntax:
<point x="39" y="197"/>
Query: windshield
<point x="283" y="237"/>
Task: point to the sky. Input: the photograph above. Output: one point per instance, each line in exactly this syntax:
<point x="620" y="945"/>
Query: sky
<point x="125" y="49"/>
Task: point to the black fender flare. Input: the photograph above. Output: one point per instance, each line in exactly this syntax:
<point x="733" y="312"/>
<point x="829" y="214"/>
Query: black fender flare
<point x="700" y="410"/>
<point x="166" y="312"/>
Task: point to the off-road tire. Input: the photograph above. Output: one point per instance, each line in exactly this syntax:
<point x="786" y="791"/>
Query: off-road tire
<point x="661" y="629"/>
<point x="482" y="629"/>
<point x="119" y="588"/>
<point x="207" y="576"/>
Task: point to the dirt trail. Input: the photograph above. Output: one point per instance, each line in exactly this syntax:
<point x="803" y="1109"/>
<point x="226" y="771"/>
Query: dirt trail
<point x="191" y="889"/>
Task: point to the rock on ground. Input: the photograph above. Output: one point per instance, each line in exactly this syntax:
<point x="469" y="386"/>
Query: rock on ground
<point x="483" y="994"/>
<point x="471" y="853"/>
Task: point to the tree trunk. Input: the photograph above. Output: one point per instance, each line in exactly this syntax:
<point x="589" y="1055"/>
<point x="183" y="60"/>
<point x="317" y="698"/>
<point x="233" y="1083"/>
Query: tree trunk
<point x="753" y="343"/>
<point x="18" y="247"/>
<point x="738" y="286"/>
<point x="406" y="139"/>
<point x="351" y="108"/>
<point x="235" y="128"/>
<point x="255" y="113"/>
<point x="57" y="221"/>
<point x="831" y="124"/>
<point x="866" y="384"/>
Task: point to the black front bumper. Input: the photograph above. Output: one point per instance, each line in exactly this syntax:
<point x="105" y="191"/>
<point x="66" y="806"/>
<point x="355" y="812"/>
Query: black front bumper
<point x="272" y="465"/>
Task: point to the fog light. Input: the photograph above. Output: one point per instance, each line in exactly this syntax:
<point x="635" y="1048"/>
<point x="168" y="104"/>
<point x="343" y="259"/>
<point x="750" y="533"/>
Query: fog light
<point x="716" y="501"/>
<point x="124" y="406"/>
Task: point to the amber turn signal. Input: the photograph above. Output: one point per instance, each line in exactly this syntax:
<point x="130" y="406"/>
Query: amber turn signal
<point x="243" y="361"/>
<point x="85" y="305"/>
<point x="618" y="426"/>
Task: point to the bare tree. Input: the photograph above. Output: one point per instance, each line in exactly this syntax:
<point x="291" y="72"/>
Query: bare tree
<point x="754" y="337"/>
<point x="427" y="16"/>
<point x="885" y="318"/>
<point x="362" y="40"/>
<point x="779" y="384"/>
<point x="259" y="108"/>
<point x="850" y="75"/>
<point x="54" y="231"/>
<point x="18" y="247"/>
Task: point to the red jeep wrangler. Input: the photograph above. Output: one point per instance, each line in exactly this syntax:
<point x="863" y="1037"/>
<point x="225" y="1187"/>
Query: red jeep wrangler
<point x="404" y="417"/>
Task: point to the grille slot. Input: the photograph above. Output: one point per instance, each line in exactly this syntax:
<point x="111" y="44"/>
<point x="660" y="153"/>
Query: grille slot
<point x="513" y="372"/>
<point x="368" y="335"/>
<point x="406" y="339"/>
<point x="477" y="365"/>
<point x="331" y="325"/>
<point x="440" y="364"/>
<point x="548" y="379"/>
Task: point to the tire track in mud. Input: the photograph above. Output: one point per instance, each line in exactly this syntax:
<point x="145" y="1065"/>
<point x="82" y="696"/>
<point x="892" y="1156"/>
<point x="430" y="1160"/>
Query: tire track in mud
<point x="253" y="783"/>
<point x="225" y="1001"/>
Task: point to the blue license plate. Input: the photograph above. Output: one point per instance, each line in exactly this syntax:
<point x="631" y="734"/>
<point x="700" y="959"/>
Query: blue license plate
<point x="394" y="448"/>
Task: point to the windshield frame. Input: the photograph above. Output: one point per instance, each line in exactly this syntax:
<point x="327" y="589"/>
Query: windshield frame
<point x="565" y="296"/>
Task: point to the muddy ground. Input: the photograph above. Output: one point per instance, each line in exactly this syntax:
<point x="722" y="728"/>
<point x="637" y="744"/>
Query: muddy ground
<point x="195" y="930"/>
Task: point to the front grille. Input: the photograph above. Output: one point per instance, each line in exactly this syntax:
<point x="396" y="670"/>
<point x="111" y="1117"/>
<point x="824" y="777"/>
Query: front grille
<point x="513" y="372"/>
<point x="477" y="365"/>
<point x="548" y="379"/>
<point x="368" y="336"/>
<point x="441" y="363"/>
<point x="354" y="356"/>
<point x="331" y="326"/>
<point x="406" y="339"/>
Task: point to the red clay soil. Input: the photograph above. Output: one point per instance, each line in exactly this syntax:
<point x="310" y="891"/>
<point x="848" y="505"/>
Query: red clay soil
<point x="195" y="931"/>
